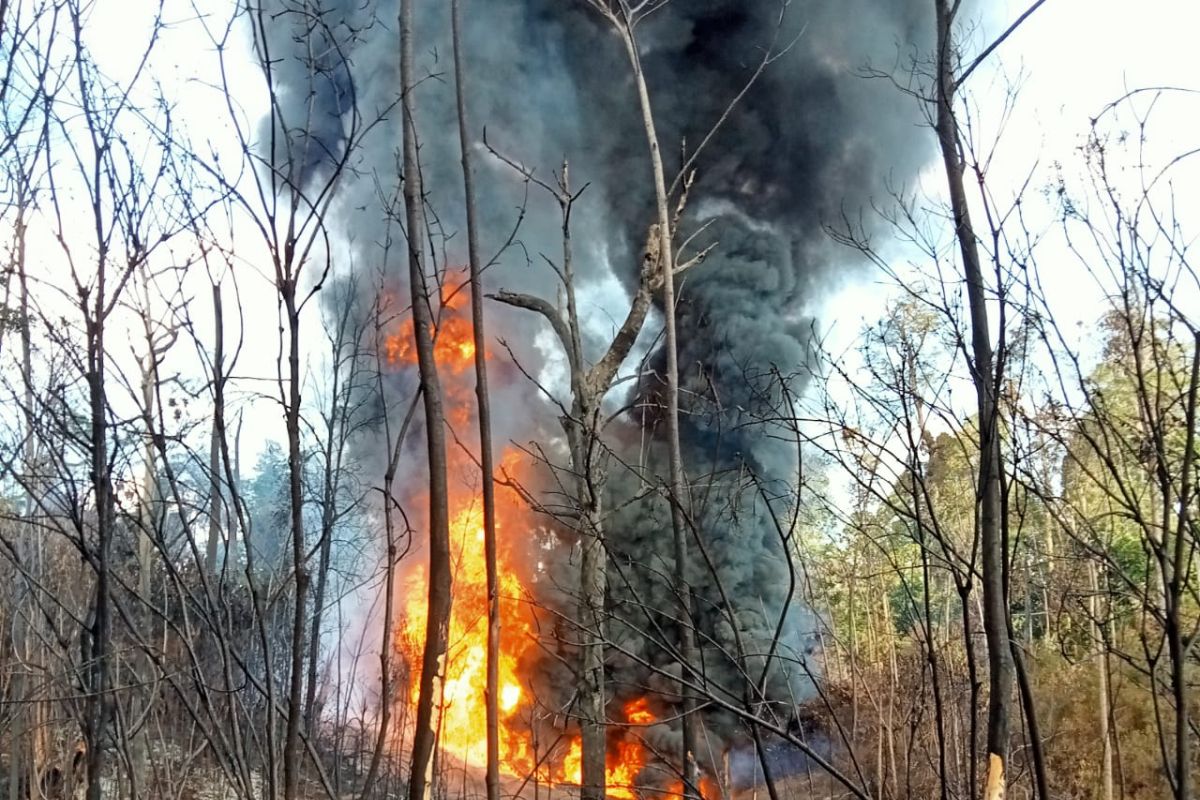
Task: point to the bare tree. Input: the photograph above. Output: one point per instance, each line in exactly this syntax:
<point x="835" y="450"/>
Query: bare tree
<point x="987" y="378"/>
<point x="623" y="21"/>
<point x="488" y="489"/>
<point x="583" y="425"/>
<point x="1126" y="428"/>
<point x="437" y="622"/>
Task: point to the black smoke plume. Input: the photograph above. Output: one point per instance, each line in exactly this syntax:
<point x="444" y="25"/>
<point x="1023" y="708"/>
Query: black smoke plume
<point x="809" y="141"/>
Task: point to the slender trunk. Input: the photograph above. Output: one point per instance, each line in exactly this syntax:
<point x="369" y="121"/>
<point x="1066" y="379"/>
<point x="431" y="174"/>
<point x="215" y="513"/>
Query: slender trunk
<point x="939" y="708"/>
<point x="894" y="675"/>
<point x="1182" y="553"/>
<point x="28" y="740"/>
<point x="385" y="646"/>
<point x="583" y="434"/>
<point x="964" y="596"/>
<point x="1102" y="695"/>
<point x="764" y="763"/>
<point x="332" y="453"/>
<point x="492" y="685"/>
<point x="995" y="607"/>
<point x="214" y="451"/>
<point x="433" y="661"/>
<point x="291" y="740"/>
<point x="678" y="497"/>
<point x="148" y="502"/>
<point x="98" y="701"/>
<point x="593" y="575"/>
<point x="232" y="521"/>
<point x="325" y="554"/>
<point x="1037" y="757"/>
<point x="1179" y="696"/>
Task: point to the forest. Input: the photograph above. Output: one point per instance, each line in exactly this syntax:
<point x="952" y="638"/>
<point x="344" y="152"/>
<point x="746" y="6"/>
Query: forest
<point x="631" y="399"/>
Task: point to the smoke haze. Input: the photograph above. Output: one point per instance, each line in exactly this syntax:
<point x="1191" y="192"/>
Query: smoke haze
<point x="809" y="140"/>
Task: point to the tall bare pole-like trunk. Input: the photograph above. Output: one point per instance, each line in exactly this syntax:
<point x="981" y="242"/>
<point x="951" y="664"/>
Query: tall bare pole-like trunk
<point x="1181" y="559"/>
<point x="677" y="480"/>
<point x="395" y="442"/>
<point x="1103" y="712"/>
<point x="492" y="684"/>
<point x="337" y="422"/>
<point x="28" y="743"/>
<point x="433" y="660"/>
<point x="291" y="740"/>
<point x="995" y="603"/>
<point x="149" y="502"/>
<point x="98" y="701"/>
<point x="94" y="307"/>
<point x="583" y="427"/>
<point x="583" y="436"/>
<point x="218" y="425"/>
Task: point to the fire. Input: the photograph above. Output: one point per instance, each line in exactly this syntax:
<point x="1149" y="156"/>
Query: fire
<point x="638" y="712"/>
<point x="620" y="769"/>
<point x="453" y="340"/>
<point x="463" y="700"/>
<point x="708" y="789"/>
<point x="462" y="731"/>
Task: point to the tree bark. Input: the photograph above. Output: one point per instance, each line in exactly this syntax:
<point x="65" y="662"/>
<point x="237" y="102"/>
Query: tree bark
<point x="1103" y="712"/>
<point x="337" y="425"/>
<point x="218" y="425"/>
<point x="99" y="638"/>
<point x="291" y="740"/>
<point x="995" y="605"/>
<point x="433" y="661"/>
<point x="583" y="429"/>
<point x="492" y="685"/>
<point x="677" y="480"/>
<point x="29" y="734"/>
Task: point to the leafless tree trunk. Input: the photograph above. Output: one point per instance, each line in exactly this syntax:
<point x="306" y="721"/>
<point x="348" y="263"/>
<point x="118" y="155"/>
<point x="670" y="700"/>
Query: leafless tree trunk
<point x="287" y="276"/>
<point x="583" y="430"/>
<point x="583" y="426"/>
<point x="437" y="623"/>
<point x="995" y="603"/>
<point x="1103" y="710"/>
<point x="158" y="340"/>
<point x="488" y="489"/>
<point x="679" y="499"/>
<point x="338" y="422"/>
<point x="97" y="296"/>
<point x="218" y="426"/>
<point x="395" y="442"/>
<point x="28" y="749"/>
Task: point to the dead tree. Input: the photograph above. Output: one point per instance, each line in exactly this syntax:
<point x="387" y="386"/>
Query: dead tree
<point x="987" y="379"/>
<point x="622" y="17"/>
<point x="437" y="622"/>
<point x="483" y="404"/>
<point x="583" y="423"/>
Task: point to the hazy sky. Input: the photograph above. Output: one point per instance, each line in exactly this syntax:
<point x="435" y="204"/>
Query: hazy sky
<point x="1071" y="58"/>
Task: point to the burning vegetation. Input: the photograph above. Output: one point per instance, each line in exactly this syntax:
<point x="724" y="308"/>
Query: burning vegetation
<point x="601" y="583"/>
<point x="536" y="743"/>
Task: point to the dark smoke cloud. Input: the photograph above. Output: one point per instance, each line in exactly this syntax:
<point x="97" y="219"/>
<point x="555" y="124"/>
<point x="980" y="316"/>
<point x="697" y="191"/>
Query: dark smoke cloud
<point x="810" y="140"/>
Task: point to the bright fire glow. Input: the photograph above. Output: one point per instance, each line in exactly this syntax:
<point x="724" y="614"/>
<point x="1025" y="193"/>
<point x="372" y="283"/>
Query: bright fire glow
<point x="453" y="343"/>
<point x="463" y="732"/>
<point x="637" y="712"/>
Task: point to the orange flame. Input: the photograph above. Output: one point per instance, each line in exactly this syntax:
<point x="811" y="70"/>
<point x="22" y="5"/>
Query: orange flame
<point x="463" y="732"/>
<point x="453" y="339"/>
<point x="708" y="789"/>
<point x="638" y="712"/>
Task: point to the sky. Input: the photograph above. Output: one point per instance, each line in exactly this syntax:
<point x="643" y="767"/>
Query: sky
<point x="1069" y="59"/>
